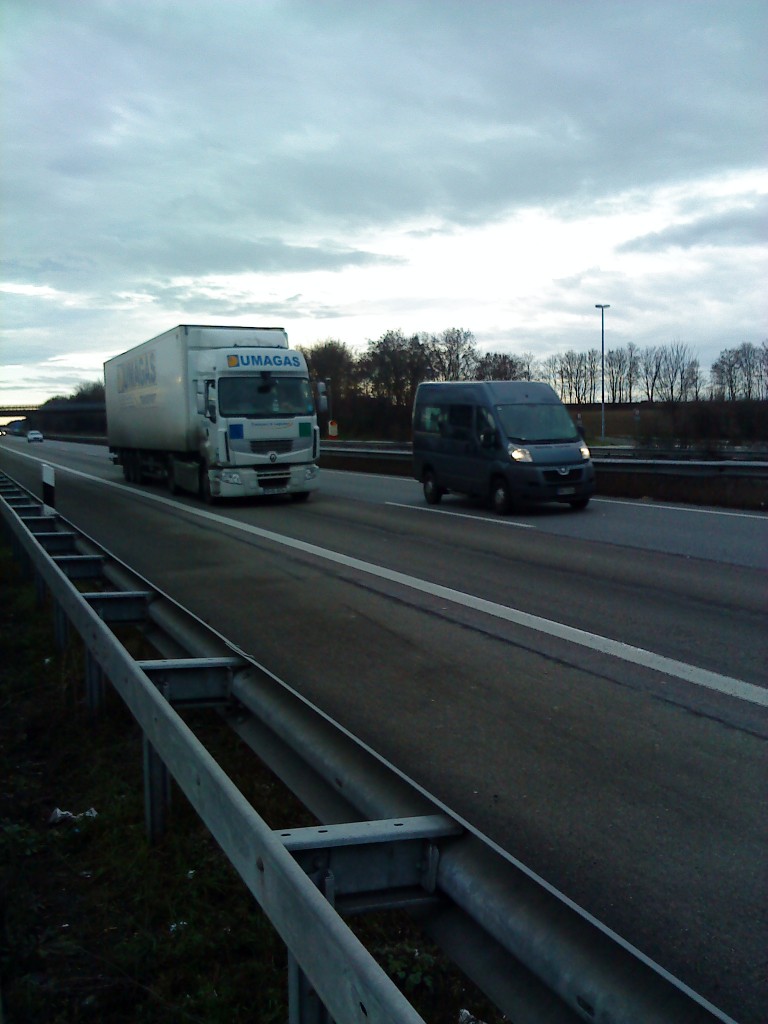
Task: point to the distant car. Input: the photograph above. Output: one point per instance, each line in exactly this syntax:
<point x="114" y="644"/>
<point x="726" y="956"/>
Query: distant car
<point x="34" y="435"/>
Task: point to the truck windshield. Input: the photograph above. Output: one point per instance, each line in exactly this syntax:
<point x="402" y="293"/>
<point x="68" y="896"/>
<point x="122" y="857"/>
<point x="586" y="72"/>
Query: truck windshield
<point x="265" y="397"/>
<point x="549" y="422"/>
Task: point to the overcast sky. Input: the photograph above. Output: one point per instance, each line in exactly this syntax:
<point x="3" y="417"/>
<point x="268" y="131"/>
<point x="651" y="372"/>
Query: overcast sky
<point x="345" y="167"/>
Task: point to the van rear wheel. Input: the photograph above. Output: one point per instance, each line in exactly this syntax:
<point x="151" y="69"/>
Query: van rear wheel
<point x="501" y="496"/>
<point x="432" y="491"/>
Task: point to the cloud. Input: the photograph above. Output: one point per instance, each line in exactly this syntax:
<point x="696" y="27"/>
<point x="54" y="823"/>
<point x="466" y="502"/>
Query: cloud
<point x="339" y="161"/>
<point x="744" y="226"/>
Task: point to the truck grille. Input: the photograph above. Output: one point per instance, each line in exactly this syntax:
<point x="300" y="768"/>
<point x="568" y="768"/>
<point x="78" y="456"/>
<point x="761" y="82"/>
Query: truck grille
<point x="277" y="479"/>
<point x="282" y="446"/>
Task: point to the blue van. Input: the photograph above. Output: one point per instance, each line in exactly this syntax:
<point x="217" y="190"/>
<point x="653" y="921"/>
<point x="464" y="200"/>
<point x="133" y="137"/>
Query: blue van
<point x="509" y="442"/>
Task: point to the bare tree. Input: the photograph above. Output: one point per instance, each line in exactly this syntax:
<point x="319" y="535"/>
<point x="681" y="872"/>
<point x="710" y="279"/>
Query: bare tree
<point x="550" y="372"/>
<point x="335" y="361"/>
<point x="650" y="368"/>
<point x="762" y="370"/>
<point x="675" y="372"/>
<point x="453" y="354"/>
<point x="530" y="367"/>
<point x="499" y="366"/>
<point x="748" y="359"/>
<point x="393" y="366"/>
<point x="593" y="373"/>
<point x="616" y="362"/>
<point x="574" y="376"/>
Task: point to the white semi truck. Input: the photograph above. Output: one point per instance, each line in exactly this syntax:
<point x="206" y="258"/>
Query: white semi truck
<point x="223" y="412"/>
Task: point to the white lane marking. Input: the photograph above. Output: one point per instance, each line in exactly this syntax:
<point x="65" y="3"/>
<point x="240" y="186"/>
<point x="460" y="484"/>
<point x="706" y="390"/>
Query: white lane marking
<point x="682" y="508"/>
<point x="462" y="515"/>
<point x="727" y="685"/>
<point x="652" y="504"/>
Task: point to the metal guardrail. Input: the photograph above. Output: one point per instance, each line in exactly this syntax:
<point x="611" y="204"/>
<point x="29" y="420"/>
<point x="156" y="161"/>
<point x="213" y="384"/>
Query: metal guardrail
<point x="755" y="460"/>
<point x="674" y="475"/>
<point x="386" y="842"/>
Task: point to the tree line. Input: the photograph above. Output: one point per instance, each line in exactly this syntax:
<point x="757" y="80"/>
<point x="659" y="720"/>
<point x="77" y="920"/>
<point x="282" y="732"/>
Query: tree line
<point x="391" y="367"/>
<point x="372" y="391"/>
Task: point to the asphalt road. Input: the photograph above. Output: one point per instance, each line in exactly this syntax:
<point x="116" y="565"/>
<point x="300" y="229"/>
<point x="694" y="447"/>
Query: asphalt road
<point x="588" y="689"/>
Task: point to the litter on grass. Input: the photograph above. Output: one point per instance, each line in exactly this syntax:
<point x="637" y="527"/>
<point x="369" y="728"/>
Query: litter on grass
<point x="58" y="816"/>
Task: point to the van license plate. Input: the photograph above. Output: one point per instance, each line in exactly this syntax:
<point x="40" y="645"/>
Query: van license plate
<point x="566" y="490"/>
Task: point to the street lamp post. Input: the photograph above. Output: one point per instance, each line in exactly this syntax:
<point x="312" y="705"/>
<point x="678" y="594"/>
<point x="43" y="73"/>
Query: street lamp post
<point x="602" y="307"/>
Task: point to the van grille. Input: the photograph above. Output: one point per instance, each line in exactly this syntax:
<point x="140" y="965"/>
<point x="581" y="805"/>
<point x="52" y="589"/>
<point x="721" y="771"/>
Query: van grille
<point x="552" y="476"/>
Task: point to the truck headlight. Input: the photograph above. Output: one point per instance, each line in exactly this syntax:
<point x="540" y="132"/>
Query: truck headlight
<point x="584" y="452"/>
<point x="518" y="454"/>
<point x="230" y="476"/>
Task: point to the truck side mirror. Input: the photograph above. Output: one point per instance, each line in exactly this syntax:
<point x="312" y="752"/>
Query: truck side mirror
<point x="322" y="397"/>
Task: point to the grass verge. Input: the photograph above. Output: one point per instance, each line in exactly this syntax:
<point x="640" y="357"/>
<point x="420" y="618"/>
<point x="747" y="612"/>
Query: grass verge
<point x="96" y="924"/>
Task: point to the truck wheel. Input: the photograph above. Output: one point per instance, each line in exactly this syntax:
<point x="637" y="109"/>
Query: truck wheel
<point x="133" y="470"/>
<point x="205" y="486"/>
<point x="432" y="491"/>
<point x="173" y="487"/>
<point x="501" y="496"/>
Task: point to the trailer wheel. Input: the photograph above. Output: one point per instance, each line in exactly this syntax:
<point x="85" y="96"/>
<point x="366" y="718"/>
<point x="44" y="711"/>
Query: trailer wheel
<point x="133" y="465"/>
<point x="173" y="487"/>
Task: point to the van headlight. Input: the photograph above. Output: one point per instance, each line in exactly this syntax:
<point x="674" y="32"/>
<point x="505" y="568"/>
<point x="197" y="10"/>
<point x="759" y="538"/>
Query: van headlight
<point x="518" y="454"/>
<point x="584" y="452"/>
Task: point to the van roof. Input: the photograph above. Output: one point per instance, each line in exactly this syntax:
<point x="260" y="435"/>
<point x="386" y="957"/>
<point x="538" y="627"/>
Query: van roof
<point x="497" y="392"/>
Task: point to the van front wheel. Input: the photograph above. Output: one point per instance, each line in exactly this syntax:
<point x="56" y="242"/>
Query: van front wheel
<point x="432" y="491"/>
<point x="501" y="496"/>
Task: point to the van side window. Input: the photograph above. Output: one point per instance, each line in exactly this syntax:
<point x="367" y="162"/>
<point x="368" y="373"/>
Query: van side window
<point x="485" y="423"/>
<point x="428" y="418"/>
<point x="460" y="421"/>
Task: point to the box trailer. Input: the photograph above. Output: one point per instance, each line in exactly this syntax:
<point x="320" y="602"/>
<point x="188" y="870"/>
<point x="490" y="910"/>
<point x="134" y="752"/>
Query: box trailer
<point x="224" y="412"/>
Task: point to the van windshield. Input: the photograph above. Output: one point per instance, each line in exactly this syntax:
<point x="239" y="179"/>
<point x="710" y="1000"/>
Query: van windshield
<point x="264" y="397"/>
<point x="544" y="423"/>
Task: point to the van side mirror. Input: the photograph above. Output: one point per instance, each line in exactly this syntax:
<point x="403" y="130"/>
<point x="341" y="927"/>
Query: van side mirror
<point x="488" y="439"/>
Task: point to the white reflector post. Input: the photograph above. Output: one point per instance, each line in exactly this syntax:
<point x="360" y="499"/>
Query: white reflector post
<point x="49" y="490"/>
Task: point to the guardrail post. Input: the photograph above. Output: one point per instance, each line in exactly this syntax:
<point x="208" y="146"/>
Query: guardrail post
<point x="49" y="490"/>
<point x="157" y="792"/>
<point x="40" y="590"/>
<point x="94" y="684"/>
<point x="304" y="1007"/>
<point x="60" y="627"/>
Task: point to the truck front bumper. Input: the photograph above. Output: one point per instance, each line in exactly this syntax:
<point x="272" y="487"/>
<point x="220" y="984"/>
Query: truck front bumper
<point x="245" y="482"/>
